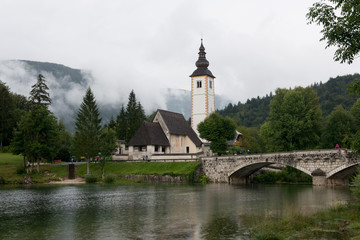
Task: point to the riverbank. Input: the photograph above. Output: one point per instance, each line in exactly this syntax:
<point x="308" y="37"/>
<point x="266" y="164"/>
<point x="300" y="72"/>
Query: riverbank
<point x="12" y="172"/>
<point x="338" y="222"/>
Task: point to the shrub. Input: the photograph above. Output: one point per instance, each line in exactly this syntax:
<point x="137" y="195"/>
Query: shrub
<point x="90" y="178"/>
<point x="2" y="180"/>
<point x="5" y="149"/>
<point x="109" y="178"/>
<point x="356" y="189"/>
<point x="20" y="169"/>
<point x="203" y="179"/>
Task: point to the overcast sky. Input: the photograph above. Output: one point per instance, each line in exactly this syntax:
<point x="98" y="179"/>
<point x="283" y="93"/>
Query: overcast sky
<point x="253" y="47"/>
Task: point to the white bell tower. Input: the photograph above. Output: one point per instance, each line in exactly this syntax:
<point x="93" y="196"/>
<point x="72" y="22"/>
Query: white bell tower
<point x="202" y="90"/>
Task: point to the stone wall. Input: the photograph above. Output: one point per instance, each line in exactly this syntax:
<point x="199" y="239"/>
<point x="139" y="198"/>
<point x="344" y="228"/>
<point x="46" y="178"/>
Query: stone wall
<point x="329" y="163"/>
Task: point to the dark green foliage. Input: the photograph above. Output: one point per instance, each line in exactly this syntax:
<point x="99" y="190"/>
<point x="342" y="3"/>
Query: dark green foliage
<point x="20" y="169"/>
<point x="109" y="179"/>
<point x="252" y="113"/>
<point x="286" y="175"/>
<point x="7" y="108"/>
<point x="217" y="130"/>
<point x="252" y="139"/>
<point x="39" y="93"/>
<point x="129" y="121"/>
<point x="89" y="178"/>
<point x="355" y="111"/>
<point x="336" y="92"/>
<point x="256" y="110"/>
<point x="356" y="189"/>
<point x="63" y="154"/>
<point x="107" y="146"/>
<point x="37" y="131"/>
<point x="294" y="122"/>
<point x="88" y="129"/>
<point x="121" y="124"/>
<point x="340" y="20"/>
<point x="339" y="128"/>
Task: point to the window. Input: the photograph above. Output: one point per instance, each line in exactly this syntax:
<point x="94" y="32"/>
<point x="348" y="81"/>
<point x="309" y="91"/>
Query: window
<point x="199" y="84"/>
<point x="156" y="148"/>
<point x="187" y="150"/>
<point x="210" y="84"/>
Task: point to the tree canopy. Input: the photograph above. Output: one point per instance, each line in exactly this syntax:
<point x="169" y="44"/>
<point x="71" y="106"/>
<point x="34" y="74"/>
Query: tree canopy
<point x="217" y="130"/>
<point x="294" y="121"/>
<point x="340" y="20"/>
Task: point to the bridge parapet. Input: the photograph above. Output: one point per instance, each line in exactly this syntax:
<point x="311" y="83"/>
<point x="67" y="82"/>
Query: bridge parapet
<point x="323" y="165"/>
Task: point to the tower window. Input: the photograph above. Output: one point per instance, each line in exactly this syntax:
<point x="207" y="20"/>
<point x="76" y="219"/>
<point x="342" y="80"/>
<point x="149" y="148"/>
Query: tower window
<point x="198" y="84"/>
<point x="210" y="84"/>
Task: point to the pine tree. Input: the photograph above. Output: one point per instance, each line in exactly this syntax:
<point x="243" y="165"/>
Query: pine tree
<point x="7" y="107"/>
<point x="121" y="124"/>
<point x="87" y="129"/>
<point x="39" y="93"/>
<point x="134" y="116"/>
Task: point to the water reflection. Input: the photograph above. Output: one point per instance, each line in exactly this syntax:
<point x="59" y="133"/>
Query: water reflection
<point x="150" y="211"/>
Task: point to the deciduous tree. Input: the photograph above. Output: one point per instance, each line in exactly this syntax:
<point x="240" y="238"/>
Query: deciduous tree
<point x="339" y="128"/>
<point x="107" y="147"/>
<point x="217" y="130"/>
<point x="294" y="122"/>
<point x="340" y="21"/>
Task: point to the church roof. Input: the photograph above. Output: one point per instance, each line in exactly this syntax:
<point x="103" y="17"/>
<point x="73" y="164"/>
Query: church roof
<point x="202" y="64"/>
<point x="177" y="124"/>
<point x="149" y="133"/>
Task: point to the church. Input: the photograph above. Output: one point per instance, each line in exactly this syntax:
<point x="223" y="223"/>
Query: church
<point x="169" y="135"/>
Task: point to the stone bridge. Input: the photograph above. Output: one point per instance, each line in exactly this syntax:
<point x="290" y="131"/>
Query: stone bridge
<point x="327" y="167"/>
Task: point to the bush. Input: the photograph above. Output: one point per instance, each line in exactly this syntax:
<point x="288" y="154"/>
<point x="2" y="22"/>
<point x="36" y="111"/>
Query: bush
<point x="90" y="178"/>
<point x="203" y="179"/>
<point x="2" y="180"/>
<point x="5" y="149"/>
<point x="356" y="189"/>
<point x="20" y="169"/>
<point x="109" y="178"/>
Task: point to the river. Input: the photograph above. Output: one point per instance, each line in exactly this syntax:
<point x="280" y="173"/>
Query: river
<point x="144" y="211"/>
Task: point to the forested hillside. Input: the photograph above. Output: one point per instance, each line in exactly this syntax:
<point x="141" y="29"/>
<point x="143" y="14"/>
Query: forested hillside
<point x="331" y="94"/>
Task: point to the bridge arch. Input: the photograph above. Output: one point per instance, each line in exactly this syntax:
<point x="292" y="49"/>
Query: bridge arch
<point x="241" y="173"/>
<point x="343" y="171"/>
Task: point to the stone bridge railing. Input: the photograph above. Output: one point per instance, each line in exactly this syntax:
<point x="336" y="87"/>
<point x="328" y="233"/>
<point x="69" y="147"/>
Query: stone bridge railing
<point x="327" y="167"/>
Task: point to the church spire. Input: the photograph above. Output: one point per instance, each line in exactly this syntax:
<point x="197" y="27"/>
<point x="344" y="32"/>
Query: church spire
<point x="202" y="64"/>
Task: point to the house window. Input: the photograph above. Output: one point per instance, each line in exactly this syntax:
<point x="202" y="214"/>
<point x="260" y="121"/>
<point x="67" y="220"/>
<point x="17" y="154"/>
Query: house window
<point x="187" y="150"/>
<point x="198" y="84"/>
<point x="210" y="84"/>
<point x="156" y="148"/>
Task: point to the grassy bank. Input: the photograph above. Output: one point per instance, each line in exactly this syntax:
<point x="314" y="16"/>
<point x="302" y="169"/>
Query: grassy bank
<point x="11" y="169"/>
<point x="184" y="169"/>
<point x="338" y="222"/>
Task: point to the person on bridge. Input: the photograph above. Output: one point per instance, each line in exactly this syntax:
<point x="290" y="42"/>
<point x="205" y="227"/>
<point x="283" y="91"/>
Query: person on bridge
<point x="337" y="146"/>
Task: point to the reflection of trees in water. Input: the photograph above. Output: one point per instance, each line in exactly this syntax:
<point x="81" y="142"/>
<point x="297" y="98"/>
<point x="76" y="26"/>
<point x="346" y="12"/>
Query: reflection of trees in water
<point x="220" y="227"/>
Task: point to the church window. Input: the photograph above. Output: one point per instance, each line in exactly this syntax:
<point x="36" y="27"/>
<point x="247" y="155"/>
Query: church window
<point x="210" y="84"/>
<point x="199" y="84"/>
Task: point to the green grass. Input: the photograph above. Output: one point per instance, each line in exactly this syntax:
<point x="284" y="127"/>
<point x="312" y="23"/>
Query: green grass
<point x="10" y="163"/>
<point x="8" y="158"/>
<point x="325" y="224"/>
<point x="142" y="168"/>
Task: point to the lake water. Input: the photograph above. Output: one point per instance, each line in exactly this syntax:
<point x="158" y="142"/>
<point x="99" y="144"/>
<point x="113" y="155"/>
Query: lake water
<point x="144" y="211"/>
